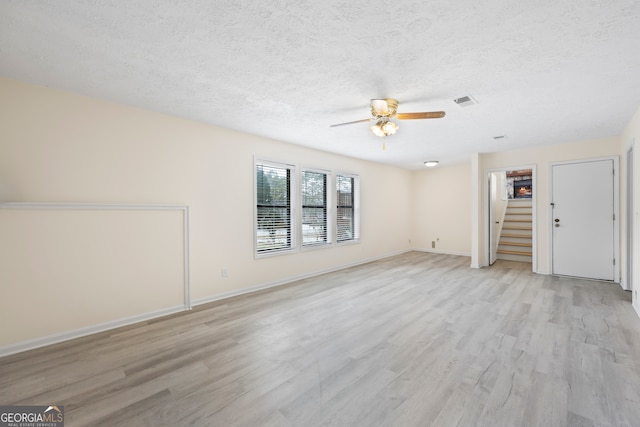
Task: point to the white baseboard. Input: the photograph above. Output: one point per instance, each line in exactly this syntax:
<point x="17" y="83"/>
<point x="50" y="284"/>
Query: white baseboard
<point x="636" y="307"/>
<point x="437" y="251"/>
<point x="288" y="280"/>
<point x="6" y="350"/>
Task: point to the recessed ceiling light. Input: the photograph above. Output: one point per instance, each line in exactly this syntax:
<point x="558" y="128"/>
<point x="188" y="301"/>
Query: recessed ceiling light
<point x="465" y="101"/>
<point x="431" y="163"/>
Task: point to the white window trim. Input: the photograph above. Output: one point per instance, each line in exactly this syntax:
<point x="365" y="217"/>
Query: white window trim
<point x="297" y="245"/>
<point x="330" y="210"/>
<point x="356" y="210"/>
<point x="294" y="190"/>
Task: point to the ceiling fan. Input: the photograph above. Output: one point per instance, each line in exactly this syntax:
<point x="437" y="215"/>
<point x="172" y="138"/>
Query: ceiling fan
<point x="383" y="110"/>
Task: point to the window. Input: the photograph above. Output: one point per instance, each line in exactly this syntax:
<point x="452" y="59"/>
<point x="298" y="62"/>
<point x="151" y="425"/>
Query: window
<point x="314" y="208"/>
<point x="348" y="218"/>
<point x="295" y="210"/>
<point x="274" y="214"/>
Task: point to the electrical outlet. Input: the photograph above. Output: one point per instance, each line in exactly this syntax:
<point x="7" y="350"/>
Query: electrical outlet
<point x="225" y="272"/>
<point x="433" y="244"/>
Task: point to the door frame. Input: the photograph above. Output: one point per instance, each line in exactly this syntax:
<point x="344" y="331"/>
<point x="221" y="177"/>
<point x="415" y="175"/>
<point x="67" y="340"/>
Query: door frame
<point x="493" y="246"/>
<point x="629" y="220"/>
<point x="487" y="214"/>
<point x="616" y="209"/>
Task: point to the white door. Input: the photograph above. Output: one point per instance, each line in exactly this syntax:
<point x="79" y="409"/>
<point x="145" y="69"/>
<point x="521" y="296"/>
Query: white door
<point x="493" y="220"/>
<point x="583" y="224"/>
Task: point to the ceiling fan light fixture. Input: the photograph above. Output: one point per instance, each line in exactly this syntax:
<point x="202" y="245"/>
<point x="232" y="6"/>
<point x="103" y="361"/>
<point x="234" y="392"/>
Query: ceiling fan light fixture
<point x="389" y="128"/>
<point x="377" y="130"/>
<point x="383" y="110"/>
<point x="431" y="163"/>
<point x="384" y="127"/>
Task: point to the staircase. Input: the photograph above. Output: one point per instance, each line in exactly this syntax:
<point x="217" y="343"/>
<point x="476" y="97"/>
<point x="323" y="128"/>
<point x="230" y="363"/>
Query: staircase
<point x="516" y="237"/>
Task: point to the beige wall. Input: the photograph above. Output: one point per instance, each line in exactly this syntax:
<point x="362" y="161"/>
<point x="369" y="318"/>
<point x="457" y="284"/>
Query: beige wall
<point x="441" y="209"/>
<point x="630" y="139"/>
<point x="65" y="148"/>
<point x="541" y="158"/>
<point x="65" y="269"/>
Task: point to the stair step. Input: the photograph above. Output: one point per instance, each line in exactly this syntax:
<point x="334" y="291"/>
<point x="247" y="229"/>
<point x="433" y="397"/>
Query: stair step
<point x="517" y="224"/>
<point x="517" y="236"/>
<point x="505" y="251"/>
<point x="518" y="258"/>
<point x="526" y="245"/>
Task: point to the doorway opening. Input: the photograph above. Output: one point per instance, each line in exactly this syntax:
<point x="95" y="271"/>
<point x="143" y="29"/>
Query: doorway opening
<point x="511" y="213"/>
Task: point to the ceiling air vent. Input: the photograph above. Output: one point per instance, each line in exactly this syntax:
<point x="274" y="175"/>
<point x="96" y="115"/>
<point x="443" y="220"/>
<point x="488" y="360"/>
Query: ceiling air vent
<point x="465" y="101"/>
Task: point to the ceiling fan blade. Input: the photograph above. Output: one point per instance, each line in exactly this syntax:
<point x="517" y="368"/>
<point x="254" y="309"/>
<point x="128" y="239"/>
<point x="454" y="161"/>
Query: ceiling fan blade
<point x="425" y="115"/>
<point x="350" y="123"/>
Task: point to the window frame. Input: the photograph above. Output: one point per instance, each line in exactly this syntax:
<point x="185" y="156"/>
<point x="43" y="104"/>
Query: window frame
<point x="328" y="209"/>
<point x="293" y="208"/>
<point x="355" y="189"/>
<point x="295" y="185"/>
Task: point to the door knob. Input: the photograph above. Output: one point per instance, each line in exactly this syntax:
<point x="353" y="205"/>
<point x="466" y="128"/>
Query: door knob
<point x="556" y="220"/>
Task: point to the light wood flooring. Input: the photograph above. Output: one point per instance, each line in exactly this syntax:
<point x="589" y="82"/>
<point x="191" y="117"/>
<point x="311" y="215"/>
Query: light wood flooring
<point x="413" y="340"/>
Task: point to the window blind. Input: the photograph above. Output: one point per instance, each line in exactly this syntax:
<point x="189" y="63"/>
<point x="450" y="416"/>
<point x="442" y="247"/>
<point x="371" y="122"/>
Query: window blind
<point x="314" y="208"/>
<point x="273" y="208"/>
<point x="347" y="220"/>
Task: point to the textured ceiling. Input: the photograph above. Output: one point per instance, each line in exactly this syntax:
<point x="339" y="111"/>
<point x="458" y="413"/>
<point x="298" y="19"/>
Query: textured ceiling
<point x="543" y="72"/>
